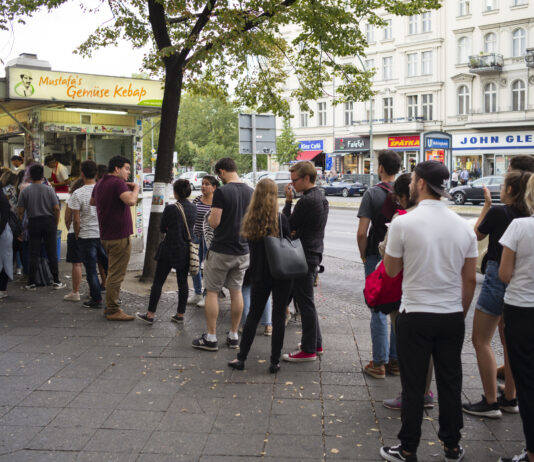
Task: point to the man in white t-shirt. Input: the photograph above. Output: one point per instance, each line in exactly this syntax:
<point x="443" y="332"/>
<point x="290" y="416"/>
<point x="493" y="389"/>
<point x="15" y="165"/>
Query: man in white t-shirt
<point x="436" y="250"/>
<point x="87" y="232"/>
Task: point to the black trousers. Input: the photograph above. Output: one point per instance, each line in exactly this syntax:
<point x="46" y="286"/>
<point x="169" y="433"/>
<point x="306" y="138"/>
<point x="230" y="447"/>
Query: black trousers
<point x="259" y="294"/>
<point x="163" y="268"/>
<point x="3" y="280"/>
<point x="44" y="229"/>
<point x="419" y="336"/>
<point x="303" y="296"/>
<point x="518" y="331"/>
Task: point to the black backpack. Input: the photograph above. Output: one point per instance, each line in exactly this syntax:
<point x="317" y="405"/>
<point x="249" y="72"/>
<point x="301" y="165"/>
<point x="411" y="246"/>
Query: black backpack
<point x="378" y="230"/>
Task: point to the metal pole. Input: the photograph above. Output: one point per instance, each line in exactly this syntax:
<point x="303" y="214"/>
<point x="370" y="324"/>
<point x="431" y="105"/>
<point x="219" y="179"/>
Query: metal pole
<point x="254" y="166"/>
<point x="371" y="163"/>
<point x="152" y="144"/>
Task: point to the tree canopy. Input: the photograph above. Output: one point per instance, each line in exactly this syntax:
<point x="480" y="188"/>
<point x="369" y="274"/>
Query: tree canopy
<point x="287" y="148"/>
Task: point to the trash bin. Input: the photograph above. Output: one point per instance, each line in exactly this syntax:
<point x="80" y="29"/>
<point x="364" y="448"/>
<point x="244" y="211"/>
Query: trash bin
<point x="58" y="244"/>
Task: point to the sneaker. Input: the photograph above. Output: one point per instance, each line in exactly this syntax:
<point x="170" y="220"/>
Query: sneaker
<point x="18" y="272"/>
<point x="30" y="287"/>
<point x="268" y="331"/>
<point x="177" y="319"/>
<point x="319" y="351"/>
<point x="299" y="357"/>
<point x="454" y="454"/>
<point x="3" y="293"/>
<point x="202" y="343"/>
<point x="394" y="453"/>
<point x="396" y="403"/>
<point x="144" y="318"/>
<point x="508" y="405"/>
<point x="378" y="372"/>
<point x="523" y="457"/>
<point x="58" y="285"/>
<point x="120" y="316"/>
<point x="232" y="343"/>
<point x="194" y="299"/>
<point x="393" y="367"/>
<point x="483" y="409"/>
<point x="92" y="304"/>
<point x="201" y="303"/>
<point x="72" y="297"/>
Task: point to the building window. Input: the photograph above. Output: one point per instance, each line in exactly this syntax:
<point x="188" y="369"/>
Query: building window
<point x="518" y="95"/>
<point x="463" y="50"/>
<point x="463" y="100"/>
<point x="427" y="103"/>
<point x="413" y="22"/>
<point x="387" y="30"/>
<point x="304" y="119"/>
<point x="370" y="33"/>
<point x="370" y="66"/>
<point x="427" y="21"/>
<point x="370" y="114"/>
<point x="490" y="5"/>
<point x="490" y="42"/>
<point x="519" y="2"/>
<point x="321" y="109"/>
<point x="412" y="107"/>
<point x="387" y="68"/>
<point x="388" y="109"/>
<point x="426" y="62"/>
<point x="412" y="64"/>
<point x="490" y="98"/>
<point x="464" y="7"/>
<point x="349" y="113"/>
<point x="519" y="42"/>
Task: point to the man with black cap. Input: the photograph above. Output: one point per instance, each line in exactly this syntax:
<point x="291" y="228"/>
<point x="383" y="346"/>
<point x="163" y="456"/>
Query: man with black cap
<point x="437" y="251"/>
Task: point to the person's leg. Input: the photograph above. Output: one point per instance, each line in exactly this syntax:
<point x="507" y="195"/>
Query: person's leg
<point x="234" y="282"/>
<point x="281" y="293"/>
<point x="303" y="295"/>
<point x="414" y="343"/>
<point x="50" y="242"/>
<point x="212" y="311"/>
<point x="88" y="249"/>
<point x="197" y="278"/>
<point x="183" y="290"/>
<point x="245" y="290"/>
<point x="76" y="277"/>
<point x="447" y="356"/>
<point x="509" y="382"/>
<point x="3" y="281"/>
<point x="163" y="268"/>
<point x="102" y="259"/>
<point x="392" y="344"/>
<point x="25" y="256"/>
<point x="34" y="245"/>
<point x="236" y="308"/>
<point x="484" y="326"/>
<point x="266" y="319"/>
<point x="118" y="256"/>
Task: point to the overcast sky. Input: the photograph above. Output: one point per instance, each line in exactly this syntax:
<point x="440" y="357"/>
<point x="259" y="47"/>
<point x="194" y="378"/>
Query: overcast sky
<point x="53" y="37"/>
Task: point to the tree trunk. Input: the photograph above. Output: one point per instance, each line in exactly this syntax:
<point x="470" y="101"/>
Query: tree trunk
<point x="167" y="134"/>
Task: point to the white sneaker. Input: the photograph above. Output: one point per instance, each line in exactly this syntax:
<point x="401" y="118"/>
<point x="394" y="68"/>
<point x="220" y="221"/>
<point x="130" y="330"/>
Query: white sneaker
<point x="194" y="299"/>
<point x="18" y="272"/>
<point x="201" y="303"/>
<point x="3" y="293"/>
<point x="58" y="285"/>
<point x="72" y="297"/>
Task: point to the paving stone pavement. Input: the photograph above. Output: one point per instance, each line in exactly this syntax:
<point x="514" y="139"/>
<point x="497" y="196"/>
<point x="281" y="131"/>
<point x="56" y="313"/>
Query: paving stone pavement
<point x="77" y="387"/>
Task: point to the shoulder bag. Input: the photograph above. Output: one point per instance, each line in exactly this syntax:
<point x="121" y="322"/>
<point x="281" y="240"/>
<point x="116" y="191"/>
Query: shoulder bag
<point x="382" y="293"/>
<point x="285" y="257"/>
<point x="194" y="264"/>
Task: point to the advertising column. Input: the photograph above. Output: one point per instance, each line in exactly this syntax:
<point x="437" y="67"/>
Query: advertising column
<point x="437" y="146"/>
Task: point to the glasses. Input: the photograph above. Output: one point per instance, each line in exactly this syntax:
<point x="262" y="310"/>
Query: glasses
<point x="296" y="179"/>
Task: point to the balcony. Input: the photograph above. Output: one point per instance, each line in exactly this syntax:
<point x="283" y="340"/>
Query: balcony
<point x="486" y="63"/>
<point x="529" y="57"/>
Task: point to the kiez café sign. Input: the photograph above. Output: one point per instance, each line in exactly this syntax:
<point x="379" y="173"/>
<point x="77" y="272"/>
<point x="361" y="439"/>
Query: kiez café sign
<point x="43" y="85"/>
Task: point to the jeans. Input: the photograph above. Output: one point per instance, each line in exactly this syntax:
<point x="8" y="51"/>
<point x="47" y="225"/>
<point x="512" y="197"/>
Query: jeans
<point x="197" y="279"/>
<point x="383" y="350"/>
<point x="304" y="298"/>
<point x="43" y="228"/>
<point x="89" y="249"/>
<point x="163" y="268"/>
<point x="267" y="312"/>
<point x="118" y="251"/>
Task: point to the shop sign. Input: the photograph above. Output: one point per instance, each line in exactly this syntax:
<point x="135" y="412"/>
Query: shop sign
<point x="437" y="143"/>
<point x="43" y="85"/>
<point x="352" y="144"/>
<point x="315" y="145"/>
<point x="89" y="129"/>
<point x="403" y="142"/>
<point x="493" y="140"/>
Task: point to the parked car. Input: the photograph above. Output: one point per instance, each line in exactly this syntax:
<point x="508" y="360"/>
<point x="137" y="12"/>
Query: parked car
<point x="473" y="191"/>
<point x="248" y="177"/>
<point x="148" y="181"/>
<point x="343" y="188"/>
<point x="195" y="178"/>
<point x="281" y="179"/>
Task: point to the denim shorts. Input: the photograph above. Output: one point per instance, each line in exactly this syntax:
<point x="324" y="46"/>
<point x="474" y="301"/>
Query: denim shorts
<point x="491" y="297"/>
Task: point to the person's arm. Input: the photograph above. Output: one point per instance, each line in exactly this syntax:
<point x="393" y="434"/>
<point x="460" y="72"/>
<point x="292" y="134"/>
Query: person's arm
<point x="56" y="213"/>
<point x="393" y="265"/>
<point x="68" y="216"/>
<point x="75" y="221"/>
<point x="483" y="213"/>
<point x="21" y="213"/>
<point x="130" y="197"/>
<point x="214" y="218"/>
<point x="361" y="236"/>
<point x="506" y="269"/>
<point x="469" y="282"/>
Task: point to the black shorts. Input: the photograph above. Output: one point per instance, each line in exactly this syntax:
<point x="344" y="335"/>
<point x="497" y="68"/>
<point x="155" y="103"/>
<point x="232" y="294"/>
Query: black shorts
<point x="73" y="251"/>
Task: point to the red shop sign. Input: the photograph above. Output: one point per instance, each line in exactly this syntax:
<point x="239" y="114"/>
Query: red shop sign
<point x="403" y="142"/>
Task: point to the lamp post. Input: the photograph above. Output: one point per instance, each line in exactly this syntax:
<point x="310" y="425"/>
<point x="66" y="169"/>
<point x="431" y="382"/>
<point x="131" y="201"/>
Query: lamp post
<point x="371" y="163"/>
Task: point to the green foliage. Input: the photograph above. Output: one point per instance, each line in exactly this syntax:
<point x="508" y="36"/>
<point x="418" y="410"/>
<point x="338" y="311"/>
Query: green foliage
<point x="286" y="146"/>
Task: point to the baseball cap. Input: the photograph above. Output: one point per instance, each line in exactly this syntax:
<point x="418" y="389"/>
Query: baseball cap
<point x="435" y="174"/>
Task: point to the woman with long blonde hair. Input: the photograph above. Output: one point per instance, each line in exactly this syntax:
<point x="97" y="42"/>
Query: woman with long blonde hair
<point x="263" y="219"/>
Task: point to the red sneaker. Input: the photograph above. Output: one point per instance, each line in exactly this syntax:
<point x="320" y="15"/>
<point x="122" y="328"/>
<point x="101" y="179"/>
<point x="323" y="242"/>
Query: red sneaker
<point x="299" y="357"/>
<point x="319" y="350"/>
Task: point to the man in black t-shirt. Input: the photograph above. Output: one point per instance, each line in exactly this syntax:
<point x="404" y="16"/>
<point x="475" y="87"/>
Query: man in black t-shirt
<point x="227" y="258"/>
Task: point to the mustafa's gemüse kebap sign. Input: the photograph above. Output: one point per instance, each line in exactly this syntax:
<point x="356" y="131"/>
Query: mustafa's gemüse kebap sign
<point x="83" y="88"/>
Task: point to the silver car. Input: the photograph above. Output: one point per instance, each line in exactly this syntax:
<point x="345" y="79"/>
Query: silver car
<point x="195" y="178"/>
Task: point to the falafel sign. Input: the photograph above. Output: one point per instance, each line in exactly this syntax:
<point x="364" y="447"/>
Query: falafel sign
<point x="45" y="85"/>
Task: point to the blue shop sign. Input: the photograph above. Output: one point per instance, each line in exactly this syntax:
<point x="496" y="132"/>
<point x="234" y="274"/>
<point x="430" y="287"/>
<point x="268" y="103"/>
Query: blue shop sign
<point x="437" y="143"/>
<point x="314" y="145"/>
<point x="328" y="163"/>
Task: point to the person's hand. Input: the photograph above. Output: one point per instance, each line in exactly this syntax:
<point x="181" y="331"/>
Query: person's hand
<point x="132" y="185"/>
<point x="487" y="196"/>
<point x="289" y="192"/>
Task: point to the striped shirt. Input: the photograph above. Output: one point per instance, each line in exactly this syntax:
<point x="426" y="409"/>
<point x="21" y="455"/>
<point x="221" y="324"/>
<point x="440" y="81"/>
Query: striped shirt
<point x="202" y="209"/>
<point x="88" y="217"/>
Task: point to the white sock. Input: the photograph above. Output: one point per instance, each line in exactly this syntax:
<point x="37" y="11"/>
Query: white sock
<point x="211" y="337"/>
<point x="233" y="335"/>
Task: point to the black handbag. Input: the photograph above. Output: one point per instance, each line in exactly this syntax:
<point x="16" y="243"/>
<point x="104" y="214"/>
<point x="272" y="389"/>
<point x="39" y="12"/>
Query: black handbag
<point x="14" y="224"/>
<point x="285" y="257"/>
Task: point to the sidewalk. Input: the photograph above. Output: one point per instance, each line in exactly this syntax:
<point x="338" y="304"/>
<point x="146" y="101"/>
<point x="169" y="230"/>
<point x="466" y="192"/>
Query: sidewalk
<point x="77" y="387"/>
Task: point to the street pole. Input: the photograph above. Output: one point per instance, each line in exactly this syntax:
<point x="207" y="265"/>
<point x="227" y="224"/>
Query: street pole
<point x="152" y="143"/>
<point x="371" y="163"/>
<point x="254" y="166"/>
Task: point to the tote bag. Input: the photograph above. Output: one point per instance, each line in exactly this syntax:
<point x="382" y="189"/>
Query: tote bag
<point x="194" y="263"/>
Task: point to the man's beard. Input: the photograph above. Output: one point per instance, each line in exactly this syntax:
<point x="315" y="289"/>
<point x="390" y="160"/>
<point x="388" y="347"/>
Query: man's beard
<point x="414" y="195"/>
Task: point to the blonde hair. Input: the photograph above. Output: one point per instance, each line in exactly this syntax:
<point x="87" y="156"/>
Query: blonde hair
<point x="529" y="194"/>
<point x="304" y="168"/>
<point x="261" y="218"/>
